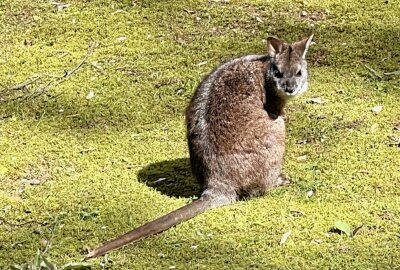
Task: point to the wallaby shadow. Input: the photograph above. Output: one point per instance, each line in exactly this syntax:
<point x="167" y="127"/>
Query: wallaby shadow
<point x="171" y="177"/>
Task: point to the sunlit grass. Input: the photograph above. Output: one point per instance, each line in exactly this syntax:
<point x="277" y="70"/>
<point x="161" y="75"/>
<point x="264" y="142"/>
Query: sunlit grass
<point x="80" y="166"/>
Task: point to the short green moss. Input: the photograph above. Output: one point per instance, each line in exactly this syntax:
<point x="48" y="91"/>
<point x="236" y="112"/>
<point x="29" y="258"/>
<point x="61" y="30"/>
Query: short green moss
<point x="89" y="165"/>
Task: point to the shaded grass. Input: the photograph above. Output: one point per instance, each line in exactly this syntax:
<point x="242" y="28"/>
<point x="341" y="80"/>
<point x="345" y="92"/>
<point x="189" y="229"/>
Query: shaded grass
<point x="135" y="122"/>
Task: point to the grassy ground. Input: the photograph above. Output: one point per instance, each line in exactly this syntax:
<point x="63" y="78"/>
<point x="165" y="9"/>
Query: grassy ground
<point x="77" y="170"/>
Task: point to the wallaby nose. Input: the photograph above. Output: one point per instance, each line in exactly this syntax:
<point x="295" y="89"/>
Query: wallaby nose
<point x="289" y="87"/>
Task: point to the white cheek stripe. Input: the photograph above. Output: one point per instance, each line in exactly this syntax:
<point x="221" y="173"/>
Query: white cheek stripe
<point x="301" y="89"/>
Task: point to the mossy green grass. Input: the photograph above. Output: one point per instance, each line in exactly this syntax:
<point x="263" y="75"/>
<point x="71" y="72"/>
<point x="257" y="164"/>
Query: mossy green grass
<point x="78" y="169"/>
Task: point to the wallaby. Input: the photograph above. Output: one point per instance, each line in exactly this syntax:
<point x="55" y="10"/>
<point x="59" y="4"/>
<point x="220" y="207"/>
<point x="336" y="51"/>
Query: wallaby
<point x="235" y="132"/>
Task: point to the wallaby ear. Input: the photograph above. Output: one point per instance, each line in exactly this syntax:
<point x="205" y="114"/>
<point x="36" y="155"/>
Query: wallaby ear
<point x="301" y="47"/>
<point x="274" y="46"/>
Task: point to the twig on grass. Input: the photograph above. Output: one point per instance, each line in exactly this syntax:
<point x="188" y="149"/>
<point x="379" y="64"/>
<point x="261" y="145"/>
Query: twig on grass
<point x="22" y="85"/>
<point x="49" y="239"/>
<point x="44" y="81"/>
<point x="10" y="224"/>
<point x="92" y="46"/>
<point x="373" y="72"/>
<point x="394" y="73"/>
<point x="385" y="75"/>
<point x="86" y="150"/>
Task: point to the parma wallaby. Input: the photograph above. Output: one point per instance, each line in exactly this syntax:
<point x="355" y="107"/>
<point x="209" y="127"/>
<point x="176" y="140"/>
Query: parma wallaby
<point x="235" y="132"/>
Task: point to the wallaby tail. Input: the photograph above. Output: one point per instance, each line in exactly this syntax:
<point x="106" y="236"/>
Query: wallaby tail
<point x="156" y="226"/>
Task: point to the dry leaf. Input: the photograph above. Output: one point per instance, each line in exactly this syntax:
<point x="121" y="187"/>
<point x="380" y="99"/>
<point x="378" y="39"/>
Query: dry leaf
<point x="120" y="39"/>
<point x="28" y="42"/>
<point x="386" y="215"/>
<point x="316" y="100"/>
<point x="96" y="65"/>
<point x="377" y="109"/>
<point x="296" y="213"/>
<point x="60" y="6"/>
<point x="90" y="95"/>
<point x="304" y="141"/>
<point x="394" y="140"/>
<point x="43" y="242"/>
<point x="285" y="237"/>
<point x="316" y="241"/>
<point x="33" y="181"/>
<point x="189" y="11"/>
<point x="119" y="11"/>
<point x="36" y="18"/>
<point x="310" y="193"/>
<point x="302" y="158"/>
<point x="374" y="127"/>
<point x="259" y="19"/>
<point x="86" y="150"/>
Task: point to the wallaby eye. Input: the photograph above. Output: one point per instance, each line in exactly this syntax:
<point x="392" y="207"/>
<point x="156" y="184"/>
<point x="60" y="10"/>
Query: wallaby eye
<point x="278" y="74"/>
<point x="298" y="73"/>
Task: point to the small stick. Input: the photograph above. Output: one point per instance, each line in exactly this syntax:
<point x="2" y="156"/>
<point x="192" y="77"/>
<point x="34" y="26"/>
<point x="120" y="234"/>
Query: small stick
<point x="373" y="72"/>
<point x="57" y="79"/>
<point x="23" y="85"/>
<point x="48" y="243"/>
<point x="88" y="150"/>
<point x="92" y="45"/>
<point x="3" y="221"/>
<point x="72" y="115"/>
<point x="392" y="73"/>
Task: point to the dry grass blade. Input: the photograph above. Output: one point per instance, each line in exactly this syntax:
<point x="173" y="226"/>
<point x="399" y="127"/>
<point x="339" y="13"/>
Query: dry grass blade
<point x="373" y="72"/>
<point x="5" y="222"/>
<point x="22" y="85"/>
<point x="285" y="237"/>
<point x="394" y="73"/>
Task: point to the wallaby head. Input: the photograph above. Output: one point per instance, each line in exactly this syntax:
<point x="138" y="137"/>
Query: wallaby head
<point x="289" y="67"/>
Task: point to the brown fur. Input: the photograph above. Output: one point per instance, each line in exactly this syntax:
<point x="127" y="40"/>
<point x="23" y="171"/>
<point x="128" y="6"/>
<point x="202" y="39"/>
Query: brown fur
<point x="241" y="153"/>
<point x="235" y="132"/>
